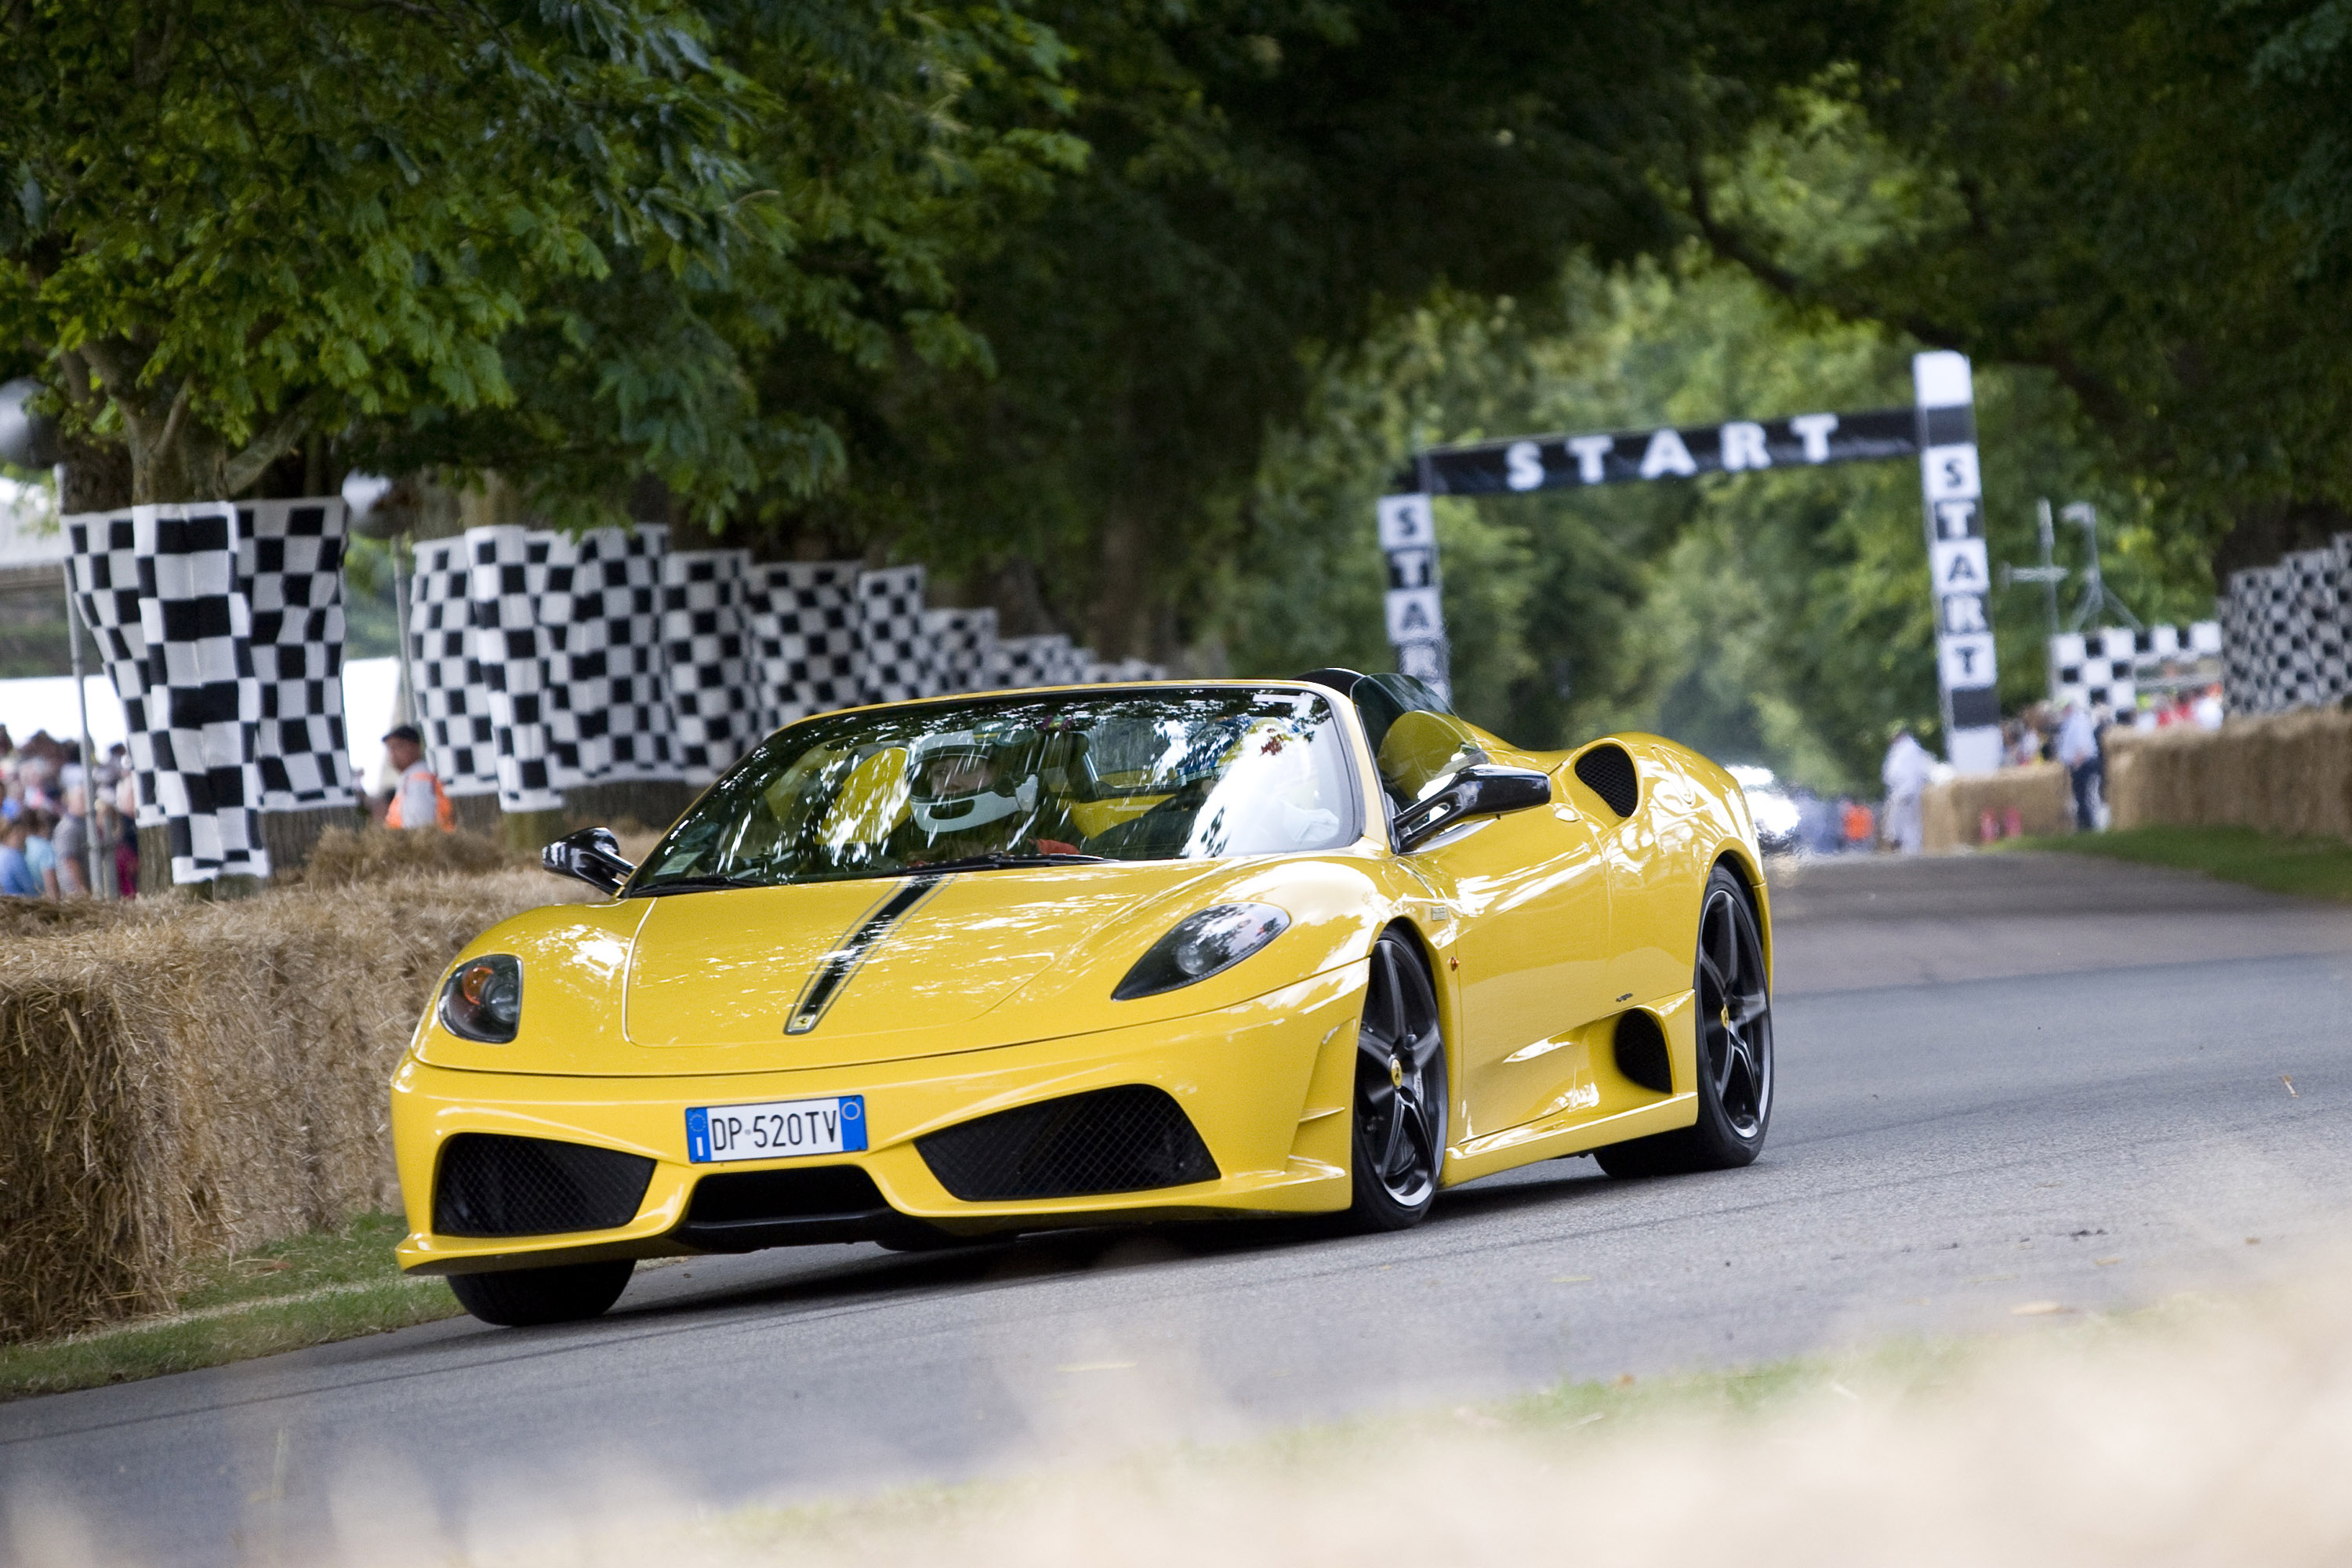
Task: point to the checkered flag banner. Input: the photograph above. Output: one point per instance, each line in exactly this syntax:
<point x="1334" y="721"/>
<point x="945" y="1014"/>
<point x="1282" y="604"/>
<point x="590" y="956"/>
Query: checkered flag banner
<point x="894" y="646"/>
<point x="606" y="684"/>
<point x="963" y="647"/>
<point x="507" y="576"/>
<point x="2314" y="577"/>
<point x="290" y="565"/>
<point x="1034" y="661"/>
<point x="2105" y="667"/>
<point x="204" y="705"/>
<point x="102" y="567"/>
<point x="453" y="707"/>
<point x="805" y="644"/>
<point x="705" y="634"/>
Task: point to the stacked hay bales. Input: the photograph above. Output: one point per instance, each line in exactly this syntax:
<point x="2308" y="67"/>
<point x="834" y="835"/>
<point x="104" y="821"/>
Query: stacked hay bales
<point x="179" y="1080"/>
<point x="1954" y="810"/>
<point x="2285" y="772"/>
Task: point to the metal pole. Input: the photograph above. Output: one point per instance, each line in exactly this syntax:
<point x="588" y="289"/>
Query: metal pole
<point x="88" y="754"/>
<point x="403" y="698"/>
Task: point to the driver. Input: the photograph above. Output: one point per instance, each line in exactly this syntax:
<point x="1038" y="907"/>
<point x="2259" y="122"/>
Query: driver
<point x="970" y="792"/>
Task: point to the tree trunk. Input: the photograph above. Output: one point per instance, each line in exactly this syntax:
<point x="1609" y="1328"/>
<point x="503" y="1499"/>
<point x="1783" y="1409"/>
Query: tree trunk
<point x="97" y="476"/>
<point x="1119" y="623"/>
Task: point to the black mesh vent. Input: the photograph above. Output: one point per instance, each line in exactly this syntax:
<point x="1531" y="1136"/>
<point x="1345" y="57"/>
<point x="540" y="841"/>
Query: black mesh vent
<point x="492" y="1184"/>
<point x="1641" y="1052"/>
<point x="743" y="1196"/>
<point x="1111" y="1141"/>
<point x="1608" y="772"/>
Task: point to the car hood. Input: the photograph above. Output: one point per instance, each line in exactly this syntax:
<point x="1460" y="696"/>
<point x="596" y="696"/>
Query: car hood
<point x="834" y="974"/>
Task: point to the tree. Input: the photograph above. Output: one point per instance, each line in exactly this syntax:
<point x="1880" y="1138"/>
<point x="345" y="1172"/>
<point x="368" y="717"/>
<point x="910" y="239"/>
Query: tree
<point x="2146" y="200"/>
<point x="1265" y="180"/>
<point x="237" y="222"/>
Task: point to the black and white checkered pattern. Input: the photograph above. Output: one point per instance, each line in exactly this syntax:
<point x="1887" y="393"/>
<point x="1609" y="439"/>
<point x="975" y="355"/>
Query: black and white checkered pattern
<point x="1042" y="660"/>
<point x="452" y="705"/>
<point x="895" y="649"/>
<point x="204" y="705"/>
<point x="2314" y="577"/>
<point x="606" y="681"/>
<point x="706" y="642"/>
<point x="964" y="646"/>
<point x="2245" y="687"/>
<point x="2095" y="670"/>
<point x="508" y="577"/>
<point x="805" y="643"/>
<point x="103" y="569"/>
<point x="2109" y="665"/>
<point x="290" y="562"/>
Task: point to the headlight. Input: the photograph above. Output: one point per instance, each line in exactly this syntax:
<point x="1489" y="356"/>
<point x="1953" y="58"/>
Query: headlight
<point x="1202" y="945"/>
<point x="483" y="1001"/>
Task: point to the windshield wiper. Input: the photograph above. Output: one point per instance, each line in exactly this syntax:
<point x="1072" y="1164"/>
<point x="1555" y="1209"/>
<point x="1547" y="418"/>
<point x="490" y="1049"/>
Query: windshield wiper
<point x="691" y="885"/>
<point x="996" y="859"/>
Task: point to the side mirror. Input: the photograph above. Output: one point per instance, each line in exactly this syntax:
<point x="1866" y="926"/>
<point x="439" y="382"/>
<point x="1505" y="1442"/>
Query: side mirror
<point x="1484" y="790"/>
<point x="593" y="855"/>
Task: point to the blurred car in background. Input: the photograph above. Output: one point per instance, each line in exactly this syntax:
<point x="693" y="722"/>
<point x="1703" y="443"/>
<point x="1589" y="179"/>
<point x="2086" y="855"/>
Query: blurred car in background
<point x="1779" y="812"/>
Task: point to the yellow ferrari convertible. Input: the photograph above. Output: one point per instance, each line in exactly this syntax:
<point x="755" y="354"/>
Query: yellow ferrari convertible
<point x="973" y="966"/>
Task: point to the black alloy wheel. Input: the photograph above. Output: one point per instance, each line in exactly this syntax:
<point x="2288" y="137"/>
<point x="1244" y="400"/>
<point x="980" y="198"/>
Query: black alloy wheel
<point x="525" y="1298"/>
<point x="1733" y="1002"/>
<point x="1400" y="1110"/>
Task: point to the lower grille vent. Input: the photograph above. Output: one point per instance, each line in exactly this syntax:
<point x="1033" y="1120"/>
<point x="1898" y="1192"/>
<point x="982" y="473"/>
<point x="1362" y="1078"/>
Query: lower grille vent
<point x="493" y="1185"/>
<point x="1110" y="1140"/>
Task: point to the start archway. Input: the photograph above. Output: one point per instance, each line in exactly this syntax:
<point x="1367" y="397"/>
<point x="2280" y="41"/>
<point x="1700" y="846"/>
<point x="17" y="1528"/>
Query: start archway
<point x="1939" y="430"/>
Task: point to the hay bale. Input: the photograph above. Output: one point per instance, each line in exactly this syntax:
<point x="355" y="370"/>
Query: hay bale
<point x="2285" y="772"/>
<point x="1954" y="810"/>
<point x="344" y="856"/>
<point x="183" y="1079"/>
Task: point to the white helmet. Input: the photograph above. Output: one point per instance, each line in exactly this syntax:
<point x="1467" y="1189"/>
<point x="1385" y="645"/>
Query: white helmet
<point x="958" y="782"/>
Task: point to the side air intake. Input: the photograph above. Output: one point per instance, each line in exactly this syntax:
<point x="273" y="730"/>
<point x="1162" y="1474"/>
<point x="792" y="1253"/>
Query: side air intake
<point x="1608" y="772"/>
<point x="1110" y="1140"/>
<point x="493" y="1185"/>
<point x="1641" y="1047"/>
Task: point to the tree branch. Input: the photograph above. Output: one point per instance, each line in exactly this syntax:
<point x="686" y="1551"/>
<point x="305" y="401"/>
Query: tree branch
<point x="76" y="381"/>
<point x="274" y="441"/>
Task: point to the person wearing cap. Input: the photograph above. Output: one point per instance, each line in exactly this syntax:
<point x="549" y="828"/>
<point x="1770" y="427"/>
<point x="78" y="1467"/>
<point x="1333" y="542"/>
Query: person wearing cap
<point x="417" y="800"/>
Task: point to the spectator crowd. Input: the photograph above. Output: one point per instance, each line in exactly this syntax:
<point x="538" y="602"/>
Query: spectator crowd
<point x="54" y="808"/>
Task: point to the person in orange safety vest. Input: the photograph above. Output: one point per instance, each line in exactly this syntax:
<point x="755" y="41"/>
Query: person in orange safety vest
<point x="417" y="800"/>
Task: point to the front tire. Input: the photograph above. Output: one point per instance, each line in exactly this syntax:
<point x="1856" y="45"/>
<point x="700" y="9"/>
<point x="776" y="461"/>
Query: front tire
<point x="1399" y="1105"/>
<point x="525" y="1298"/>
<point x="1733" y="1002"/>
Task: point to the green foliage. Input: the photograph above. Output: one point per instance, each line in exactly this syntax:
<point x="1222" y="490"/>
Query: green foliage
<point x="2146" y="200"/>
<point x="236" y="221"/>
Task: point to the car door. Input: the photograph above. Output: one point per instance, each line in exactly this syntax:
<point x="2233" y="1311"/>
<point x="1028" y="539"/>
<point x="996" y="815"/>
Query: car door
<point x="1529" y="894"/>
<point x="1528" y="897"/>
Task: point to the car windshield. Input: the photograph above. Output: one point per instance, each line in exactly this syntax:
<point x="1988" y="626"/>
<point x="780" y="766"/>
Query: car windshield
<point x="1150" y="774"/>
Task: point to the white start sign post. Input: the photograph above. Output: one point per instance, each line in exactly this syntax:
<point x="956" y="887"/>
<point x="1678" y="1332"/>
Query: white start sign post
<point x="1939" y="430"/>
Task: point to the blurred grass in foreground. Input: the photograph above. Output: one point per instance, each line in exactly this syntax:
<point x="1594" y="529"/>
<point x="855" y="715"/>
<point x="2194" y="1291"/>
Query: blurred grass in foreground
<point x="2317" y="868"/>
<point x="307" y="1291"/>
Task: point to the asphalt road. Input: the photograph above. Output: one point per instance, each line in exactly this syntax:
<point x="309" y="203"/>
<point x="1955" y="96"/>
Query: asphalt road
<point x="2004" y="1080"/>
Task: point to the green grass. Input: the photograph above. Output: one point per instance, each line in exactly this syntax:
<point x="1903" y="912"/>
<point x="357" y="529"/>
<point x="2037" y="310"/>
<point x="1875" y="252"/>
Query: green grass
<point x="2310" y="868"/>
<point x="325" y="1286"/>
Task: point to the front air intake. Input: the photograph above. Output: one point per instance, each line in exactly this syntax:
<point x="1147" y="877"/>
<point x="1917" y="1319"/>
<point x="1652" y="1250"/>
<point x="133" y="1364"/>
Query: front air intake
<point x="494" y="1184"/>
<point x="1608" y="772"/>
<point x="739" y="1211"/>
<point x="1110" y="1140"/>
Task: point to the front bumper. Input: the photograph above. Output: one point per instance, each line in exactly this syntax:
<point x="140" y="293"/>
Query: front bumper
<point x="1267" y="1083"/>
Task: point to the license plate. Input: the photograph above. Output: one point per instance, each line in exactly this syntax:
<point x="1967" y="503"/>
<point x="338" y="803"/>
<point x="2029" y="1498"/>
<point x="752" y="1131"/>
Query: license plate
<point x="777" y="1129"/>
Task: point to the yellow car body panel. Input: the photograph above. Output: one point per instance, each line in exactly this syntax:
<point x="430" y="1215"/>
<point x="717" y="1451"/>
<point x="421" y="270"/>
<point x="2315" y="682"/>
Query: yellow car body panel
<point x="994" y="991"/>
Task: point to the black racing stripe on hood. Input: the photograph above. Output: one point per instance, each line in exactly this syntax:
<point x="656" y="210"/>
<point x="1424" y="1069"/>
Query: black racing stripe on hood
<point x="824" y="985"/>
